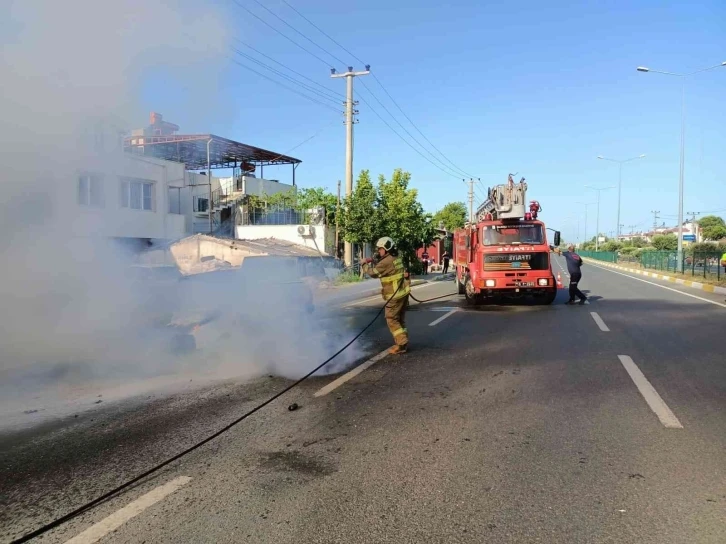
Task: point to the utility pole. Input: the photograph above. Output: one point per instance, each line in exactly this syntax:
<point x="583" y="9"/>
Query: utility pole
<point x="655" y="219"/>
<point x="693" y="222"/>
<point x="471" y="202"/>
<point x="632" y="229"/>
<point x="337" y="215"/>
<point x="349" y="112"/>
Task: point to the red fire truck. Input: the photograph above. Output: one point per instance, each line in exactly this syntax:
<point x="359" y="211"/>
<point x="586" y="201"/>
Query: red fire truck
<point x="505" y="254"/>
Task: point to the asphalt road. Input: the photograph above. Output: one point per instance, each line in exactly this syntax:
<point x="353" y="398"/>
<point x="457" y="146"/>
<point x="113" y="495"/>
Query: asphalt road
<point x="510" y="423"/>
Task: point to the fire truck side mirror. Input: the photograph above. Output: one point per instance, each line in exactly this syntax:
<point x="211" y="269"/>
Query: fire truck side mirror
<point x="557" y="238"/>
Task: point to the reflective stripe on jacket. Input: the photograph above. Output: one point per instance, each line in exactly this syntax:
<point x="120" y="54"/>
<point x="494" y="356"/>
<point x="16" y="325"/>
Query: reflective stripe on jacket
<point x="391" y="273"/>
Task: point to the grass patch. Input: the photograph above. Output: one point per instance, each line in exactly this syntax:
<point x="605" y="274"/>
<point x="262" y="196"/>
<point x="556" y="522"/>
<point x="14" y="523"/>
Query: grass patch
<point x="348" y="277"/>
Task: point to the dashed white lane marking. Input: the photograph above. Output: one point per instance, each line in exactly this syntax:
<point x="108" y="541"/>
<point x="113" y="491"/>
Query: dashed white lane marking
<point x="350" y="375"/>
<point x="600" y="322"/>
<point x="378" y="297"/>
<point x="663" y="287"/>
<point x="439" y="320"/>
<point x="651" y="396"/>
<point x="114" y="521"/>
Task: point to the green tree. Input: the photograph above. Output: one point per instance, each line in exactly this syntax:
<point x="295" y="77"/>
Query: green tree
<point x="315" y="197"/>
<point x="359" y="219"/>
<point x="452" y="216"/>
<point x="712" y="227"/>
<point x="665" y="242"/>
<point x="611" y="245"/>
<point x="402" y="217"/>
<point x="638" y="242"/>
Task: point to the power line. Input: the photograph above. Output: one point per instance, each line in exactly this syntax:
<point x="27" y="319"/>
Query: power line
<point x="404" y="128"/>
<point x="455" y="167"/>
<point x="296" y="30"/>
<point x="321" y="94"/>
<point x="319" y="102"/>
<point x="337" y="95"/>
<point x="323" y="32"/>
<point x="405" y="140"/>
<point x="419" y="130"/>
<point x="280" y="33"/>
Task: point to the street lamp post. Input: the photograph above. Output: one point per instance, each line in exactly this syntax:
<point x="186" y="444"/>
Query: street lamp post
<point x="597" y="234"/>
<point x="620" y="180"/>
<point x="683" y="147"/>
<point x="586" y="204"/>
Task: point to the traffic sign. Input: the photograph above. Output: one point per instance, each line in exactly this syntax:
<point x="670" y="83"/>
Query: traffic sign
<point x="689" y="237"/>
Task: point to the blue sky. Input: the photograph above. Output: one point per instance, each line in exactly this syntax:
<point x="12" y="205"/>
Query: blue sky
<point x="539" y="88"/>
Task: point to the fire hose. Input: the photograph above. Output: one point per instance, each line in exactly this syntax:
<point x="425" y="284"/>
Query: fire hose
<point x="115" y="491"/>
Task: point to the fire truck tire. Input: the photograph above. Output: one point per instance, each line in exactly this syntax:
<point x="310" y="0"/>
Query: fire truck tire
<point x="460" y="288"/>
<point x="472" y="298"/>
<point x="547" y="299"/>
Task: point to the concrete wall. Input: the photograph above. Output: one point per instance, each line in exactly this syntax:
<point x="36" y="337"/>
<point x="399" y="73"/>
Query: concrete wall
<point x="323" y="240"/>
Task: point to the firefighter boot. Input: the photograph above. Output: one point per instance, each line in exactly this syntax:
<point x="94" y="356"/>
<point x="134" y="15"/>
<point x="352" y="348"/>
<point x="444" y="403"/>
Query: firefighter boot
<point x="398" y="349"/>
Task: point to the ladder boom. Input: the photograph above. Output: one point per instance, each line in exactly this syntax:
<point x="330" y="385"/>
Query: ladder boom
<point x="505" y="201"/>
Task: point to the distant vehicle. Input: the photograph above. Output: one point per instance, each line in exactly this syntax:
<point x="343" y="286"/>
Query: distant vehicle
<point x="505" y="255"/>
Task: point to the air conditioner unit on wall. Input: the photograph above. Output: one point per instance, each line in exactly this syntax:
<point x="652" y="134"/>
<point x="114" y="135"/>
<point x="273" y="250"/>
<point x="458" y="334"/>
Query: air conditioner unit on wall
<point x="306" y="230"/>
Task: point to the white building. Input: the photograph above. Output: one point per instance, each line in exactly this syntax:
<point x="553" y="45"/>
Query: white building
<point x="131" y="197"/>
<point x="227" y="196"/>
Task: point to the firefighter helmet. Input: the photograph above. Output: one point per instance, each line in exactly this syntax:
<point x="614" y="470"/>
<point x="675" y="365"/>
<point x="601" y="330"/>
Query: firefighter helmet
<point x="386" y="243"/>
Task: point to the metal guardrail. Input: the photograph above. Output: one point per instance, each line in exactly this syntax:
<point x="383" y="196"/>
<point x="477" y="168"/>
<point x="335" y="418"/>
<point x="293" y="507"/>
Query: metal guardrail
<point x="704" y="264"/>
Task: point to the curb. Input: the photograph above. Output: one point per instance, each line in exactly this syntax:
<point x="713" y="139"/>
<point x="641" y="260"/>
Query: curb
<point x="707" y="287"/>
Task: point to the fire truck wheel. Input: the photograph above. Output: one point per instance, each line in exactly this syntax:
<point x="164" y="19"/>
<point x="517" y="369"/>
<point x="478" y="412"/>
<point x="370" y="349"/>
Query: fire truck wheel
<point x="472" y="298"/>
<point x="460" y="288"/>
<point x="547" y="299"/>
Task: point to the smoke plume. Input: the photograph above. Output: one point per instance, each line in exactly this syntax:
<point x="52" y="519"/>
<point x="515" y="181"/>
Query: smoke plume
<point x="73" y="313"/>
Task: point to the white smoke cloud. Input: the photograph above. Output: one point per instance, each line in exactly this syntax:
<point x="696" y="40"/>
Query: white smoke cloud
<point x="70" y="311"/>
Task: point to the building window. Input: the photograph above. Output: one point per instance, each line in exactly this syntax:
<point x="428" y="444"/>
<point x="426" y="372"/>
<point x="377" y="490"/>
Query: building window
<point x="90" y="190"/>
<point x="137" y="194"/>
<point x="201" y="204"/>
<point x="175" y="199"/>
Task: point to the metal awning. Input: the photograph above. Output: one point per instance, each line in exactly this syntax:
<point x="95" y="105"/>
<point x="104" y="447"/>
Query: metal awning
<point x="191" y="149"/>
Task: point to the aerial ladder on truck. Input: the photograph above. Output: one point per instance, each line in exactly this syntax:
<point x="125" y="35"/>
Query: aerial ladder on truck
<point x="507" y="201"/>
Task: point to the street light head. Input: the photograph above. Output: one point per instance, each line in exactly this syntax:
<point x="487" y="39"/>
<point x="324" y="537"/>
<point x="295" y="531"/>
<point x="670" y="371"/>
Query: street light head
<point x="643" y="69"/>
<point x="643" y="155"/>
<point x="723" y="63"/>
<point x="600" y="157"/>
<point x="332" y="71"/>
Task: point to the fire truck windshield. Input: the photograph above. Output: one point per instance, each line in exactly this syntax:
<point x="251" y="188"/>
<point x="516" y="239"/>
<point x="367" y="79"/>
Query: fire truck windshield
<point x="493" y="235"/>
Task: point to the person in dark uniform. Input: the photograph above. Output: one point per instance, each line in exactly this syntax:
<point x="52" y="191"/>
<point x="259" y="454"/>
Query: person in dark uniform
<point x="574" y="262"/>
<point x="445" y="261"/>
<point x="425" y="261"/>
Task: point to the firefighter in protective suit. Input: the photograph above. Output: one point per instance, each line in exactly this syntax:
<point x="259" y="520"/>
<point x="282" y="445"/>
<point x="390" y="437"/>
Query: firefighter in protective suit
<point x="395" y="287"/>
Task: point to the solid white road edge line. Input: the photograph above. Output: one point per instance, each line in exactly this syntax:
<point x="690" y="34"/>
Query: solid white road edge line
<point x="600" y="322"/>
<point x="114" y="521"/>
<point x="663" y="287"/>
<point x="439" y="320"/>
<point x="651" y="396"/>
<point x="378" y="297"/>
<point x="350" y="375"/>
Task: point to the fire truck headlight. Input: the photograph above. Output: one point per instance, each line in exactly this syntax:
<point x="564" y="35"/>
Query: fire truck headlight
<point x="542" y="281"/>
<point x="490" y="283"/>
